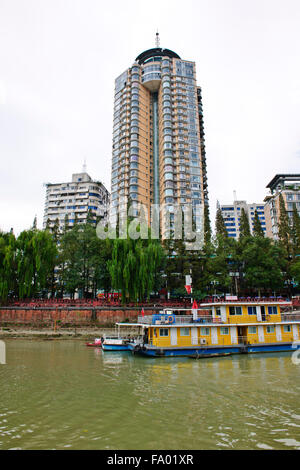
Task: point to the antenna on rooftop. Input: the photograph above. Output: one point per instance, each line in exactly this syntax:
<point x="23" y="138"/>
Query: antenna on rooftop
<point x="84" y="166"/>
<point x="157" y="39"/>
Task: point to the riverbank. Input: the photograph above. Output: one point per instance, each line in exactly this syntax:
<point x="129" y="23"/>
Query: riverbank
<point x="62" y="333"/>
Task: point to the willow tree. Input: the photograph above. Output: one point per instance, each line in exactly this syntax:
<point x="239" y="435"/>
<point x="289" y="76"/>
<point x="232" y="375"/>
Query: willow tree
<point x="134" y="267"/>
<point x="8" y="278"/>
<point x="35" y="258"/>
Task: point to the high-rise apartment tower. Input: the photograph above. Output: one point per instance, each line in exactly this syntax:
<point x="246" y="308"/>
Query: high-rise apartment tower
<point x="158" y="135"/>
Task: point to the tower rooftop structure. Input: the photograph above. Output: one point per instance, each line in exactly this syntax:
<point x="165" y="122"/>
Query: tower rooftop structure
<point x="156" y="52"/>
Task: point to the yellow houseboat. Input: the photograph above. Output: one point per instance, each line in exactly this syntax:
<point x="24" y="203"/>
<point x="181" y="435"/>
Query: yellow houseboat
<point x="218" y="328"/>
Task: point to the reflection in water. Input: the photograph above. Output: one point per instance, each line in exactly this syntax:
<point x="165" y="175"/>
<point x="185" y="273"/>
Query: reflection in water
<point x="60" y="394"/>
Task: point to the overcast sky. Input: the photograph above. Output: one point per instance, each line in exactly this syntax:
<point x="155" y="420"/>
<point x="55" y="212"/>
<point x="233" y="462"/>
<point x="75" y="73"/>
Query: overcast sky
<point x="59" y="60"/>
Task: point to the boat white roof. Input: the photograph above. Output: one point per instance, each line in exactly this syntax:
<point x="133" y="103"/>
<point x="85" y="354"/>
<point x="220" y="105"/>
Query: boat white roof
<point x="245" y="303"/>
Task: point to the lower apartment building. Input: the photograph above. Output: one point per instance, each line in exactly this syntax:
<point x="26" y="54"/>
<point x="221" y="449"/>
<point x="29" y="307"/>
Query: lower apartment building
<point x="75" y="199"/>
<point x="289" y="186"/>
<point x="232" y="216"/>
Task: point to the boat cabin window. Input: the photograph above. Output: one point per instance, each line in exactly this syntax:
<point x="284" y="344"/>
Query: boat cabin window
<point x="251" y="310"/>
<point x="224" y="330"/>
<point x="287" y="328"/>
<point x="218" y="311"/>
<point x="272" y="310"/>
<point x="235" y="310"/>
<point x="164" y="332"/>
<point x="252" y="330"/>
<point x="270" y="329"/>
<point x="184" y="332"/>
<point x="204" y="331"/>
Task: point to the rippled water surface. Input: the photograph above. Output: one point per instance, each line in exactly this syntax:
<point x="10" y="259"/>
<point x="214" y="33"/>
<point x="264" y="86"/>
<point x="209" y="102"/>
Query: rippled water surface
<point x="63" y="395"/>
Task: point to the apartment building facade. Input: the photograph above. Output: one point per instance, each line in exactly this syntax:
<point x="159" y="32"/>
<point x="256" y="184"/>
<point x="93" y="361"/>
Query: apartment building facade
<point x="232" y="216"/>
<point x="75" y="199"/>
<point x="289" y="186"/>
<point x="158" y="154"/>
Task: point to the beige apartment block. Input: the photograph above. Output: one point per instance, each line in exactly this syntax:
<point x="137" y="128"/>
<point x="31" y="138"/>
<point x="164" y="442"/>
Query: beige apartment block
<point x="75" y="199"/>
<point x="289" y="186"/>
<point x="158" y="151"/>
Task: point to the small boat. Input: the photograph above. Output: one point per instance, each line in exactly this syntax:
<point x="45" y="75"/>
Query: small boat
<point x="96" y="344"/>
<point x="115" y="343"/>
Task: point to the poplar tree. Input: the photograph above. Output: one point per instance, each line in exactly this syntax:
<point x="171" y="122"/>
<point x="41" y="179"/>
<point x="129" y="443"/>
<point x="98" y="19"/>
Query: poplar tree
<point x="284" y="230"/>
<point x="257" y="228"/>
<point x="207" y="227"/>
<point x="244" y="225"/>
<point x="295" y="232"/>
<point x="220" y="224"/>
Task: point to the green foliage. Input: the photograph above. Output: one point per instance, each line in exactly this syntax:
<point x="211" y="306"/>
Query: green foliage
<point x="73" y="259"/>
<point x="257" y="228"/>
<point x="135" y="267"/>
<point x="284" y="230"/>
<point x="295" y="233"/>
<point x="262" y="265"/>
<point x="244" y="225"/>
<point x="35" y="257"/>
<point x="220" y="225"/>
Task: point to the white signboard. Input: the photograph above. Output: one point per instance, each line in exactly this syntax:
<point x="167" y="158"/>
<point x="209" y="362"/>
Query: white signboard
<point x="231" y="297"/>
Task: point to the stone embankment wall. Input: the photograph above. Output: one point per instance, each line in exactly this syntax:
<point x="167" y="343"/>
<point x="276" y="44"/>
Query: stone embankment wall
<point x="63" y="316"/>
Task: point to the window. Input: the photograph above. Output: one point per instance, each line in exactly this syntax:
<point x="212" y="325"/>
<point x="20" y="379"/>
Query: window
<point x="218" y="311"/>
<point x="286" y="328"/>
<point x="270" y="329"/>
<point x="184" y="332"/>
<point x="252" y="330"/>
<point x="204" y="331"/>
<point x="163" y="332"/>
<point x="251" y="310"/>
<point x="272" y="310"/>
<point x="235" y="310"/>
<point x="224" y="330"/>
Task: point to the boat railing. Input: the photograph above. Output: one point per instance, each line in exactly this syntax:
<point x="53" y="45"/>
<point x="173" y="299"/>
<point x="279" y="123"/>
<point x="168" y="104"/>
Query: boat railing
<point x="176" y="319"/>
<point x="286" y="317"/>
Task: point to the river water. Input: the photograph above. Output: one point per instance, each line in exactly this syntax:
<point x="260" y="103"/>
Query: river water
<point x="63" y="395"/>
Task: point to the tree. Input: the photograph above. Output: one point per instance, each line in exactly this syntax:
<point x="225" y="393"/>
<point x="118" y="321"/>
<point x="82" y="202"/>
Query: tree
<point x="8" y="275"/>
<point x="284" y="231"/>
<point x="295" y="233"/>
<point x="262" y="265"/>
<point x="257" y="228"/>
<point x="134" y="267"/>
<point x="207" y="227"/>
<point x="35" y="258"/>
<point x="244" y="225"/>
<point x="220" y="224"/>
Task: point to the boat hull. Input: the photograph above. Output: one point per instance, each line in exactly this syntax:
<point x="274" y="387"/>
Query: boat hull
<point x="152" y="351"/>
<point x="115" y="347"/>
